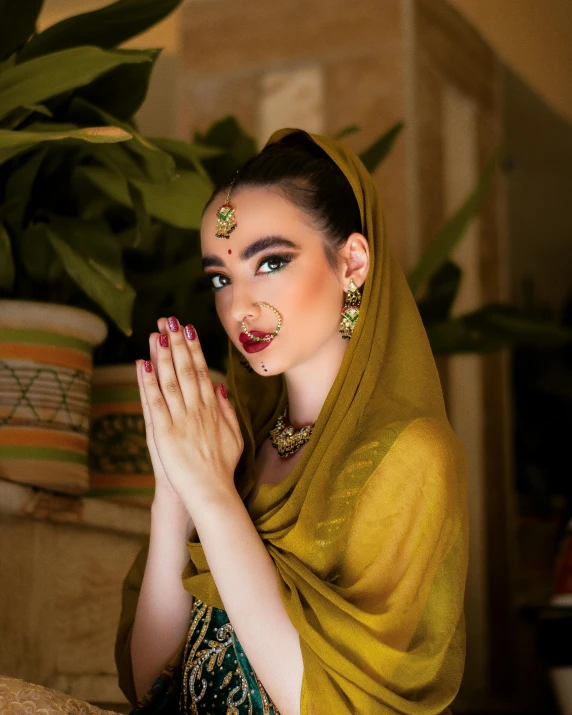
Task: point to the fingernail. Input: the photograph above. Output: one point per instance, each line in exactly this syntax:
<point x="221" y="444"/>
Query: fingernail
<point x="147" y="365"/>
<point x="173" y="324"/>
<point x="190" y="332"/>
<point x="223" y="390"/>
<point x="164" y="340"/>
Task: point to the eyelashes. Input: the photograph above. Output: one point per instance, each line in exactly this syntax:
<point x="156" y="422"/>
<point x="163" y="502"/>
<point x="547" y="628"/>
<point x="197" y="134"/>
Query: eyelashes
<point x="284" y="260"/>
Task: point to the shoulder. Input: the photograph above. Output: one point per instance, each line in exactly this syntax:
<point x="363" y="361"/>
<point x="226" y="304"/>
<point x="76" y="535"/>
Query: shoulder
<point x="425" y="460"/>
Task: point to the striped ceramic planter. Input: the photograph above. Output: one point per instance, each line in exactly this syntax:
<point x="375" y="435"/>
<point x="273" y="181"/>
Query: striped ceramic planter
<point x="119" y="464"/>
<point x="45" y="385"/>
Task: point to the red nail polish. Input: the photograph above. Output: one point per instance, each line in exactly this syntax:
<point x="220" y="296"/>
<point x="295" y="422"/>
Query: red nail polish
<point x="190" y="332"/>
<point x="147" y="365"/>
<point x="173" y="324"/>
<point x="163" y="340"/>
<point x="223" y="390"/>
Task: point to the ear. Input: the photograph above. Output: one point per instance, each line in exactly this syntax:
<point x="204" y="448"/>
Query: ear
<point x="355" y="254"/>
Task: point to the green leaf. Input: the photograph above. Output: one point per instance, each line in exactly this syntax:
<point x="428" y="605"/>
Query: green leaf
<point x="15" y="142"/>
<point x="158" y="165"/>
<point x="19" y="186"/>
<point x="376" y="152"/>
<point x="34" y="81"/>
<point x="239" y="146"/>
<point x="492" y="328"/>
<point x="347" y="131"/>
<point x="190" y="154"/>
<point x="105" y="27"/>
<point x="17" y="23"/>
<point x="92" y="257"/>
<point x="41" y="263"/>
<point x="7" y="270"/>
<point x="179" y="203"/>
<point x="18" y="116"/>
<point x="121" y="91"/>
<point x="453" y="230"/>
<point x="443" y="288"/>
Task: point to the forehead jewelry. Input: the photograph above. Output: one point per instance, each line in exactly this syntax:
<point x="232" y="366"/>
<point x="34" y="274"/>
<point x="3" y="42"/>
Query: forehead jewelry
<point x="270" y="337"/>
<point x="225" y="217"/>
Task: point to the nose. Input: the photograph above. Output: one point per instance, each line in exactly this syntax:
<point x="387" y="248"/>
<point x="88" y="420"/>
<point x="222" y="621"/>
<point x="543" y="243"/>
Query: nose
<point x="245" y="308"/>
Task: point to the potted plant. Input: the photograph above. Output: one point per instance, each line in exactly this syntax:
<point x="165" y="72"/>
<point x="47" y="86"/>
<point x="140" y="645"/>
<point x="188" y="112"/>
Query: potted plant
<point x="62" y="276"/>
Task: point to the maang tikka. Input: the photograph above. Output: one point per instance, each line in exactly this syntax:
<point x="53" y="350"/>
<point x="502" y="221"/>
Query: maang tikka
<point x="225" y="216"/>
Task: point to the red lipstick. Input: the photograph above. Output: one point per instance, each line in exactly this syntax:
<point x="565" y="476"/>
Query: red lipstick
<point x="254" y="346"/>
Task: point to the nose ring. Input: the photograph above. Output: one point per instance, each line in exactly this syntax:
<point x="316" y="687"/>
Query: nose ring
<point x="270" y="337"/>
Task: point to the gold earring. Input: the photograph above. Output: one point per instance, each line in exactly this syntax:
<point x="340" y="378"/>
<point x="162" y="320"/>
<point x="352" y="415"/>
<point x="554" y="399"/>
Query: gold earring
<point x="350" y="311"/>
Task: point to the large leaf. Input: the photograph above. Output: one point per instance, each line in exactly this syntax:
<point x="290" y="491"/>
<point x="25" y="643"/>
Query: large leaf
<point x="346" y="131"/>
<point x="376" y="152"/>
<point x="187" y="154"/>
<point x="239" y="146"/>
<point x="17" y="23"/>
<point x="32" y="82"/>
<point x="106" y="27"/>
<point x="158" y="165"/>
<point x="15" y="142"/>
<point x="179" y="203"/>
<point x="491" y="328"/>
<point x="443" y="288"/>
<point x="7" y="271"/>
<point x="92" y="257"/>
<point x="122" y="91"/>
<point x="20" y="185"/>
<point x="453" y="231"/>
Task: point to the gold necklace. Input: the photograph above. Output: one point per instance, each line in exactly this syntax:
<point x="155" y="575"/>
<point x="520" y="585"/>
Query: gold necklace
<point x="285" y="438"/>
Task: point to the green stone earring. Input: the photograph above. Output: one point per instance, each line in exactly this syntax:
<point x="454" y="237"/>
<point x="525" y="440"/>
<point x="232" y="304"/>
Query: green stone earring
<point x="350" y="311"/>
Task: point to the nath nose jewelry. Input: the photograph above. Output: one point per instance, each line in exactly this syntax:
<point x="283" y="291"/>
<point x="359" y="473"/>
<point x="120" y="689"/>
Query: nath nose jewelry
<point x="267" y="338"/>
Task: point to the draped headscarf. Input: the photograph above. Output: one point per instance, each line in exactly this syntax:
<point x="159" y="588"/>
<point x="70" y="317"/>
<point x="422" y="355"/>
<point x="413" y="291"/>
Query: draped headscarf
<point x="369" y="531"/>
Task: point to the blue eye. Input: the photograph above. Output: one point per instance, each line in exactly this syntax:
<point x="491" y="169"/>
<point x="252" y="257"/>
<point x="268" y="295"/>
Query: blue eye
<point x="283" y="261"/>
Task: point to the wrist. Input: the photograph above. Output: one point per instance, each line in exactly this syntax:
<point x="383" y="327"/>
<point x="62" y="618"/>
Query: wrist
<point x="165" y="499"/>
<point x="201" y="502"/>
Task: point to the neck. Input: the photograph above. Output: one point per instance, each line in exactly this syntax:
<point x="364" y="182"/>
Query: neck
<point x="309" y="382"/>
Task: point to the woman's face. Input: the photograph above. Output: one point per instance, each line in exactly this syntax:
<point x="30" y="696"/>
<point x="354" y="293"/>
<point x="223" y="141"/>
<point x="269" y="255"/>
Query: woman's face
<point x="273" y="256"/>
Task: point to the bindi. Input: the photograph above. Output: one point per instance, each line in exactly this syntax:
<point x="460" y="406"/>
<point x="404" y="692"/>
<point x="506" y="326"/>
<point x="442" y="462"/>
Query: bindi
<point x="230" y="251"/>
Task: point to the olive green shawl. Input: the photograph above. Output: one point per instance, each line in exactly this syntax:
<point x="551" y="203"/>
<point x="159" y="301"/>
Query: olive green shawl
<point x="369" y="530"/>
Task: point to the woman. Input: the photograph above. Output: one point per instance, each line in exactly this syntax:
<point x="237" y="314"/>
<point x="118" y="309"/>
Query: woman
<point x="324" y="505"/>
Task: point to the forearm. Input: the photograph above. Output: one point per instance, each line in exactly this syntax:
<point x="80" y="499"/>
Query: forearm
<point x="247" y="582"/>
<point x="164" y="608"/>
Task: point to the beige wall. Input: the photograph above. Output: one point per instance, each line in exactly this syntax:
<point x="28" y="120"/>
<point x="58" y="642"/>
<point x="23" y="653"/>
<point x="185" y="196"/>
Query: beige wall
<point x="534" y="38"/>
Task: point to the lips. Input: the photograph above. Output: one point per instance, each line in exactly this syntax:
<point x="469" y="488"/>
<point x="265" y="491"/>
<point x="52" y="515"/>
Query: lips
<point x="257" y="334"/>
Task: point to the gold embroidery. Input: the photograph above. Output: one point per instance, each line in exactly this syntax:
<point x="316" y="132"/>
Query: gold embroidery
<point x="207" y="658"/>
<point x="266" y="702"/>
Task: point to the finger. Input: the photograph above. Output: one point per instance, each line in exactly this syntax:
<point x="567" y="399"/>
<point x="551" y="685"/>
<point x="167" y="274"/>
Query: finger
<point x="140" y="366"/>
<point x="228" y="411"/>
<point x="153" y="342"/>
<point x="160" y="415"/>
<point x="162" y="326"/>
<point x="204" y="381"/>
<point x="166" y="377"/>
<point x="184" y="364"/>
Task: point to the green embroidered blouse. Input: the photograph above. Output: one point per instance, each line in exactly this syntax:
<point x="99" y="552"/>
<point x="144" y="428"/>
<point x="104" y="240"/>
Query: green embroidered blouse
<point x="214" y="678"/>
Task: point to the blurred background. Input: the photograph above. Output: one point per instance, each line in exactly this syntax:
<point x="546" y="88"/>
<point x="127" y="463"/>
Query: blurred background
<point x="462" y="109"/>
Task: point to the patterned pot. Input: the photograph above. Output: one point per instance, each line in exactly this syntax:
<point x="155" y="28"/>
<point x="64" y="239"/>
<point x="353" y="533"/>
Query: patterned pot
<point x="46" y="368"/>
<point x="119" y="464"/>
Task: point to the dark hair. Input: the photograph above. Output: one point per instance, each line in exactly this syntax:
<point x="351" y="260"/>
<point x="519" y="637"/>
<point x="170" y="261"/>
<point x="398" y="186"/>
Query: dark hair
<point x="305" y="175"/>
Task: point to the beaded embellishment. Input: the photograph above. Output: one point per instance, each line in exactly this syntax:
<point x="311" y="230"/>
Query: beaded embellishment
<point x="225" y="221"/>
<point x="217" y="677"/>
<point x="285" y="438"/>
<point x="350" y="311"/>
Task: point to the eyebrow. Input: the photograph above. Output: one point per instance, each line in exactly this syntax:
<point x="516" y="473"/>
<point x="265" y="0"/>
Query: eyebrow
<point x="261" y="244"/>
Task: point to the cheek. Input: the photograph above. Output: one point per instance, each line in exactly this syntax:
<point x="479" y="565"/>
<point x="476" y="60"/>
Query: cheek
<point x="314" y="301"/>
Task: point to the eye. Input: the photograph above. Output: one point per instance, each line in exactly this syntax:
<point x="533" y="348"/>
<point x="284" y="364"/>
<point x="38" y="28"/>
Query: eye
<point x="279" y="260"/>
